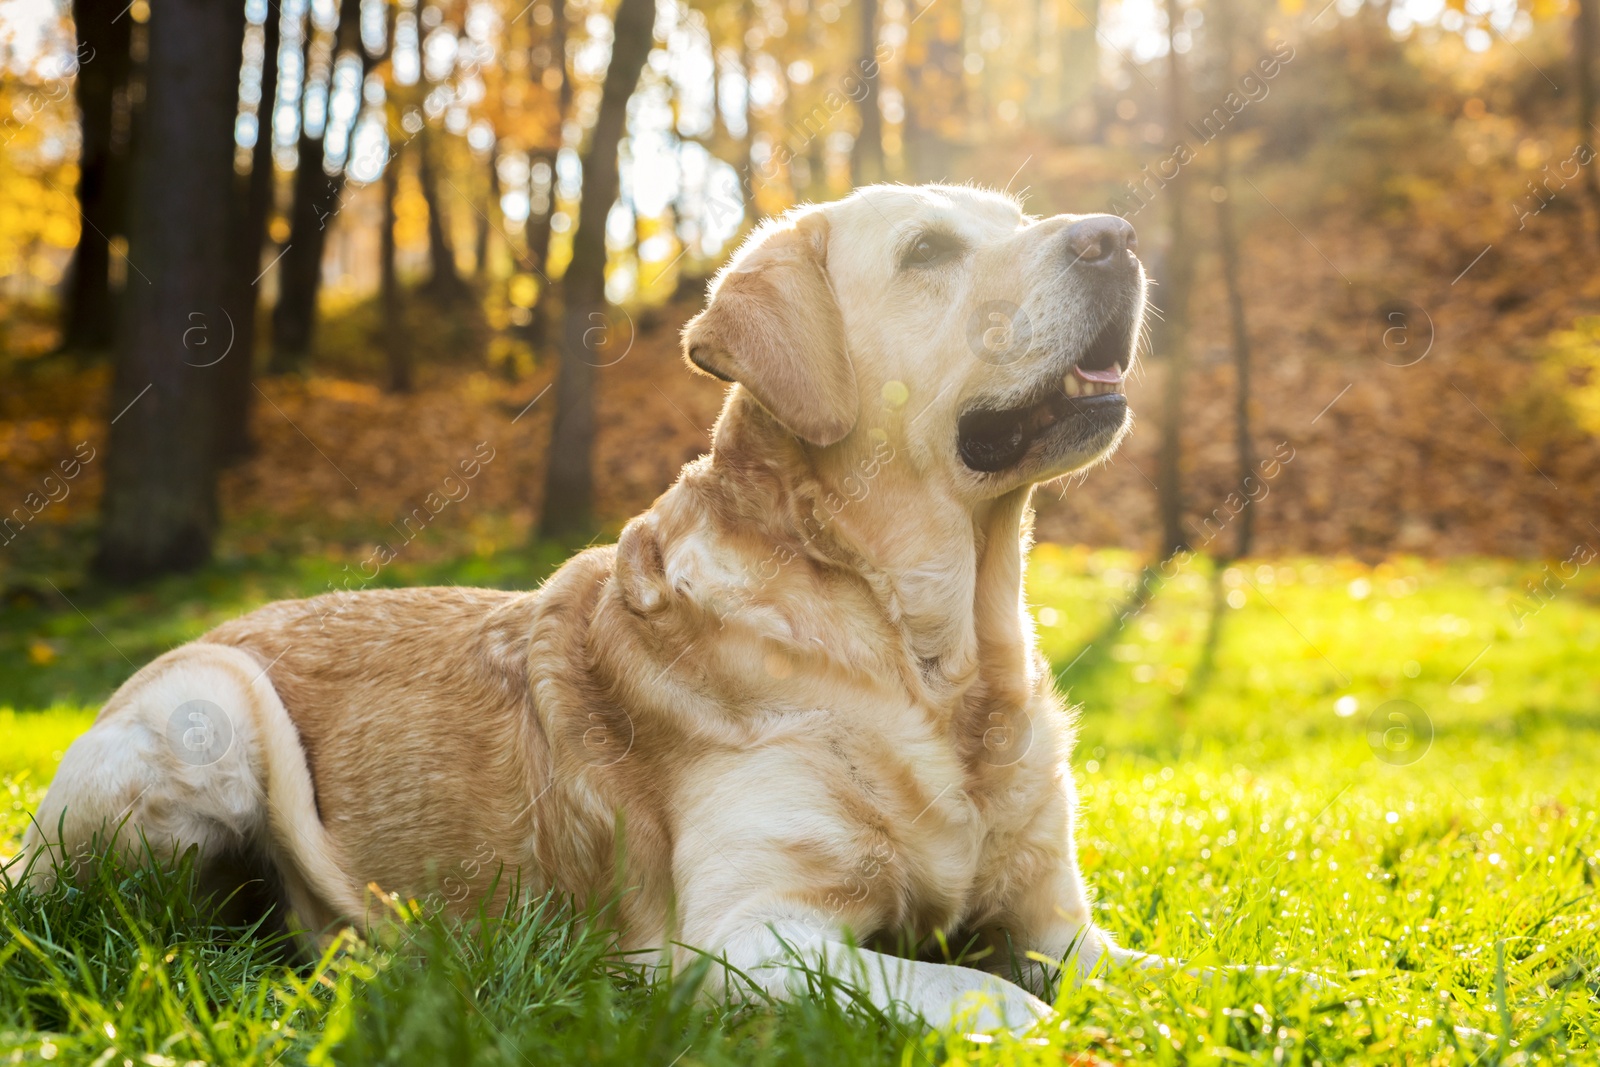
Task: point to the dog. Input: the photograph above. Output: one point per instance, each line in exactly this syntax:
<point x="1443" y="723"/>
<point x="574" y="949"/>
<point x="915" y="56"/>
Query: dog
<point x="794" y="713"/>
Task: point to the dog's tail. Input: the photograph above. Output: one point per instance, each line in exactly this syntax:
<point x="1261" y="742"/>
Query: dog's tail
<point x="196" y="749"/>
<point x="297" y="839"/>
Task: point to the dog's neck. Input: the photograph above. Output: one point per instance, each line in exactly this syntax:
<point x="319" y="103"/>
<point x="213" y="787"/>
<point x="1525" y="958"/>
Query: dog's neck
<point x="946" y="575"/>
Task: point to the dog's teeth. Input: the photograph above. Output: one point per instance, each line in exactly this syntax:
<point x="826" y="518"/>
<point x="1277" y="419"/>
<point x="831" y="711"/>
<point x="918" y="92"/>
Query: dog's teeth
<point x="1073" y="385"/>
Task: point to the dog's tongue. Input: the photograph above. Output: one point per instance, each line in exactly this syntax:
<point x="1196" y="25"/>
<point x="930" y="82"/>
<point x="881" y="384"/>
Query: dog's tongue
<point x="1112" y="374"/>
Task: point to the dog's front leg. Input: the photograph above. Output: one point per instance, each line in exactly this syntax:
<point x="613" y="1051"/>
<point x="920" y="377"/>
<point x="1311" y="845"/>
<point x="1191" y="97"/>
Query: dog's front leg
<point x="789" y="958"/>
<point x="1052" y="924"/>
<point x="1046" y="920"/>
<point x="771" y="878"/>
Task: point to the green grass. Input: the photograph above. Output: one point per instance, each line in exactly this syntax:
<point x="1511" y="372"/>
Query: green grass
<point x="1235" y="808"/>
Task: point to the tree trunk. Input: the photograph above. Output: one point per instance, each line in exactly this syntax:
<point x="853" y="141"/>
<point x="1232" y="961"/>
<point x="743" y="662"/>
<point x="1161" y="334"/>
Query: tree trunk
<point x="719" y="121"/>
<point x="866" y="155"/>
<point x="935" y="89"/>
<point x="815" y="144"/>
<point x="316" y="204"/>
<point x="1585" y="34"/>
<point x="253" y="207"/>
<point x="103" y="65"/>
<point x="396" y="342"/>
<point x="817" y="169"/>
<point x="747" y="166"/>
<point x="300" y="269"/>
<point x="559" y="32"/>
<point x="537" y="228"/>
<point x="1228" y="247"/>
<point x="568" y="496"/>
<point x="1228" y="250"/>
<point x="537" y="232"/>
<point x="1172" y="330"/>
<point x="445" y="284"/>
<point x="781" y="162"/>
<point x="491" y="205"/>
<point x="1078" y="67"/>
<point x="159" y="511"/>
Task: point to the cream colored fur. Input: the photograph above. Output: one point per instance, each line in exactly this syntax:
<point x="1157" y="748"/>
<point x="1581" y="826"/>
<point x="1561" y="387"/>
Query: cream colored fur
<point x="804" y="683"/>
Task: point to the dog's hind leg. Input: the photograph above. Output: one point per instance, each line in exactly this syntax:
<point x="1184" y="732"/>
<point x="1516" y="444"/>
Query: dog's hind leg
<point x="195" y="750"/>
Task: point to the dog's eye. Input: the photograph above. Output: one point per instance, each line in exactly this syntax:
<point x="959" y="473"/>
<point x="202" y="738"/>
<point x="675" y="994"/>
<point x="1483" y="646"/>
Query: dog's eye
<point x="931" y="249"/>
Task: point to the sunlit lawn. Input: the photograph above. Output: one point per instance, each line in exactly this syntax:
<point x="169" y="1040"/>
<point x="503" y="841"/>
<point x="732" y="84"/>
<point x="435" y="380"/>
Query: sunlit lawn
<point x="1386" y="775"/>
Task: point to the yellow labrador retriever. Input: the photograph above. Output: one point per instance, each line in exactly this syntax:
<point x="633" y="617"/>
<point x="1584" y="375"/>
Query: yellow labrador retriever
<point x="796" y="707"/>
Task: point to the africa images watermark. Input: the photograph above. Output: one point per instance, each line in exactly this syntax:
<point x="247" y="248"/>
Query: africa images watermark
<point x="452" y="489"/>
<point x="815" y="523"/>
<point x="34" y="101"/>
<point x="853" y="89"/>
<point x="52" y="490"/>
<point x="1252" y="88"/>
<point x="1252" y="491"/>
<point x="1541" y="593"/>
<point x="199" y="732"/>
<point x="1399" y="732"/>
<point x="1580" y="156"/>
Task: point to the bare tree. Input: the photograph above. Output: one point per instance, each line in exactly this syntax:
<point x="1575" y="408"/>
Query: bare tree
<point x="491" y="207"/>
<point x="536" y="232"/>
<point x="252" y="209"/>
<point x="866" y="155"/>
<point x="104" y="63"/>
<point x="396" y="342"/>
<point x="445" y="283"/>
<point x="1067" y="84"/>
<point x="159" y="510"/>
<point x="569" y="488"/>
<point x="314" y="207"/>
<point x="1223" y="34"/>
<point x="747" y="63"/>
<point x="1172" y="329"/>
<point x="1228" y="249"/>
<point x="1585" y="37"/>
<point x="551" y="57"/>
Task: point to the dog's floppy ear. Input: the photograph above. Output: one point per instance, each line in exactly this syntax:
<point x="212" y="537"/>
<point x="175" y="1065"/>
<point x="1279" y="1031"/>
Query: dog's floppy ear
<point x="641" y="571"/>
<point x="772" y="325"/>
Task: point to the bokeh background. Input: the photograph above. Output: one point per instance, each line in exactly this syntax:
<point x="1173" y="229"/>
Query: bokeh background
<point x="274" y="274"/>
<point x="343" y="242"/>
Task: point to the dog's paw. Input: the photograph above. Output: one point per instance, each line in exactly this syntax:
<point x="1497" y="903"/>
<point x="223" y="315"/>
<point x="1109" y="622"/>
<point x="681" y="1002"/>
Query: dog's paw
<point x="1467" y="1032"/>
<point x="999" y="1005"/>
<point x="1308" y="980"/>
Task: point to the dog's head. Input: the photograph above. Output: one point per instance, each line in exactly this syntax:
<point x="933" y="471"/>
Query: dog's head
<point x="991" y="346"/>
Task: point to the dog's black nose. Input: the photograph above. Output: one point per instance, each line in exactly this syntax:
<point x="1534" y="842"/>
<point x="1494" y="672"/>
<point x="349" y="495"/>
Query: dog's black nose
<point x="1101" y="241"/>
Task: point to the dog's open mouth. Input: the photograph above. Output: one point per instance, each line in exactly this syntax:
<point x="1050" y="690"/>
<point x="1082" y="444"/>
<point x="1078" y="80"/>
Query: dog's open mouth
<point x="1086" y="401"/>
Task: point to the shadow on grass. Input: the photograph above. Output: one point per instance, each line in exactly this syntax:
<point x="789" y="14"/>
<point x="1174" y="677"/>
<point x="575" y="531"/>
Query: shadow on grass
<point x="1206" y="667"/>
<point x="1095" y="656"/>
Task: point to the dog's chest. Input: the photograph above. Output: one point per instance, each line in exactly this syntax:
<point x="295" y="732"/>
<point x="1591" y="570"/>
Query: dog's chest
<point x="904" y="796"/>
